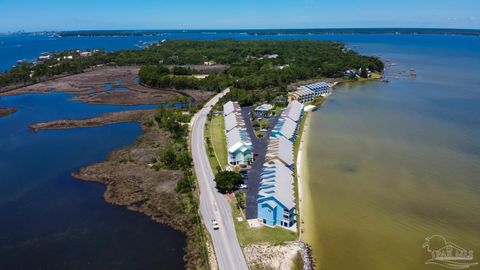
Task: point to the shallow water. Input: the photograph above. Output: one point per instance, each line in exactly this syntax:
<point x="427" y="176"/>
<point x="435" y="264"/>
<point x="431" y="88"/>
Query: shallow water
<point x="391" y="164"/>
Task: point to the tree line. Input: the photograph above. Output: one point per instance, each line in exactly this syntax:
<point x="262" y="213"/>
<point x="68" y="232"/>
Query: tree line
<point x="254" y="64"/>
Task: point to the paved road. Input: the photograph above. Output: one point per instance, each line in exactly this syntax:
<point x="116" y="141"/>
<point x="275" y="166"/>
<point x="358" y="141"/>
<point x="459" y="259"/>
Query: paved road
<point x="213" y="205"/>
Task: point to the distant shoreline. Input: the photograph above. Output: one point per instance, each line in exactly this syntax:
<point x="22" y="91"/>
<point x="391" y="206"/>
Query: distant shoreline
<point x="305" y="31"/>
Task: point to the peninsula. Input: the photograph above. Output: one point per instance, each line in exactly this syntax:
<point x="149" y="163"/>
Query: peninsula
<point x="180" y="76"/>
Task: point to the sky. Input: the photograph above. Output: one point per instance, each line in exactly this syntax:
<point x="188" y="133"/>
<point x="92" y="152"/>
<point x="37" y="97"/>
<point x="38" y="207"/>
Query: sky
<point x="39" y="15"/>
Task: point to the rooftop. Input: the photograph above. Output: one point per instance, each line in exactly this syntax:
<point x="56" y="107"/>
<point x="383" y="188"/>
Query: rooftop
<point x="264" y="107"/>
<point x="282" y="149"/>
<point x="293" y="111"/>
<point x="238" y="139"/>
<point x="277" y="182"/>
<point x="230" y="107"/>
<point x="316" y="86"/>
<point x="233" y="120"/>
<point x="286" y="127"/>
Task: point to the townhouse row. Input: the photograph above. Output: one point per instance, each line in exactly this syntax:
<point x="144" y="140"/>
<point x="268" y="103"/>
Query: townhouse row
<point x="276" y="196"/>
<point x="239" y="144"/>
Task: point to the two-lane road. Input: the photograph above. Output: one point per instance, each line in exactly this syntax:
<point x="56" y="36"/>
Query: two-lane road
<point x="213" y="205"/>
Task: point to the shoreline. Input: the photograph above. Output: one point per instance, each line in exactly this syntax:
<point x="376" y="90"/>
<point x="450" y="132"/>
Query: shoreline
<point x="102" y="120"/>
<point x="300" y="169"/>
<point x="133" y="181"/>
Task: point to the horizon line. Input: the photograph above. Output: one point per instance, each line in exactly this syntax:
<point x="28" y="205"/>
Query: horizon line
<point x="250" y="29"/>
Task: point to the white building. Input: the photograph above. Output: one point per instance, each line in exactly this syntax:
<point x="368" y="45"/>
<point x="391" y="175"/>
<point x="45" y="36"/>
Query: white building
<point x="307" y="93"/>
<point x="232" y="121"/>
<point x="239" y="144"/>
<point x="293" y="111"/>
<point x="231" y="107"/>
<point x="239" y="147"/>
<point x="263" y="110"/>
<point x="282" y="149"/>
<point x="302" y="95"/>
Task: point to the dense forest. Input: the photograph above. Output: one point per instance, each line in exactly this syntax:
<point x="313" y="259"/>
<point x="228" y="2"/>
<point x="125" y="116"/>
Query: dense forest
<point x="253" y="64"/>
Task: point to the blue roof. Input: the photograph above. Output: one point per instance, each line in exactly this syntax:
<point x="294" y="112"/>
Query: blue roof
<point x="317" y="86"/>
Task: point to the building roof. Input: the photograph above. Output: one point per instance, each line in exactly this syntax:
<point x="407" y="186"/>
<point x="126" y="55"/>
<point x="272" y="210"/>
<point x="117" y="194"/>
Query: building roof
<point x="228" y="108"/>
<point x="231" y="107"/>
<point x="293" y="111"/>
<point x="238" y="140"/>
<point x="301" y="92"/>
<point x="282" y="149"/>
<point x="316" y="86"/>
<point x="276" y="182"/>
<point x="233" y="120"/>
<point x="264" y="107"/>
<point x="285" y="127"/>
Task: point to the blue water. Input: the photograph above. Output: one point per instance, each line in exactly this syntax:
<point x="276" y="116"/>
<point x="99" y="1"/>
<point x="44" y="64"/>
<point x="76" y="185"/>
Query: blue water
<point x="52" y="221"/>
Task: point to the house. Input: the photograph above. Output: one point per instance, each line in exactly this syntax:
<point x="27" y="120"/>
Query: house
<point x="233" y="120"/>
<point x="239" y="144"/>
<point x="293" y="111"/>
<point x="85" y="54"/>
<point x="264" y="110"/>
<point x="280" y="148"/>
<point x="319" y="89"/>
<point x="282" y="67"/>
<point x="285" y="127"/>
<point x="209" y="63"/>
<point x="287" y="124"/>
<point x="44" y="57"/>
<point x="239" y="147"/>
<point x="351" y="73"/>
<point x="271" y="56"/>
<point x="276" y="197"/>
<point x="307" y="93"/>
<point x="302" y="96"/>
<point x="231" y="107"/>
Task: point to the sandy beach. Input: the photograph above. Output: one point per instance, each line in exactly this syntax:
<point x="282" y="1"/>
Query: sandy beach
<point x="301" y="173"/>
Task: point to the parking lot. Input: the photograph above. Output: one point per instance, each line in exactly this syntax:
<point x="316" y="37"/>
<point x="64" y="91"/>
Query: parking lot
<point x="260" y="148"/>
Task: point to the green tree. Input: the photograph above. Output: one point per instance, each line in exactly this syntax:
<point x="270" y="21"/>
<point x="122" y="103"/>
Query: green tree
<point x="227" y="181"/>
<point x="364" y="72"/>
<point x="185" y="184"/>
<point x="169" y="157"/>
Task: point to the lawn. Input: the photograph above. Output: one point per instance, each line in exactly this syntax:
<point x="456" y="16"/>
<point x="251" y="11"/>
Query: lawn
<point x="247" y="235"/>
<point x="376" y="75"/>
<point x="216" y="132"/>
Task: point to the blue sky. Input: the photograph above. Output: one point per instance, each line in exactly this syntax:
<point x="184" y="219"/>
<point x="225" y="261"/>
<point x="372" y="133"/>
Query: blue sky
<point x="33" y="15"/>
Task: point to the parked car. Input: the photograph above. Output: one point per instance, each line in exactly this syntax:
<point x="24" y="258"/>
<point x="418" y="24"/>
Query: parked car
<point x="215" y="224"/>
